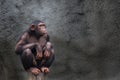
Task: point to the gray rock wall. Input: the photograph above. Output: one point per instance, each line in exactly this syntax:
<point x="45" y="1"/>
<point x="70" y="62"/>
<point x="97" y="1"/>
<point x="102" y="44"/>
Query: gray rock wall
<point x="85" y="35"/>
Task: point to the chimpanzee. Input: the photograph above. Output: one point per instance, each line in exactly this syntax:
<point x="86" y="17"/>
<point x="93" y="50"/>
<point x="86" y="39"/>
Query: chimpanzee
<point x="35" y="49"/>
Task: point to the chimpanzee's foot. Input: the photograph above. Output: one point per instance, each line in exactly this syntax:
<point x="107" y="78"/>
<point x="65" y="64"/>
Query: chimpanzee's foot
<point x="45" y="70"/>
<point x="34" y="71"/>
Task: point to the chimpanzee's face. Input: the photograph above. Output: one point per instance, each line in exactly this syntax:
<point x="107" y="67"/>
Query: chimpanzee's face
<point x="42" y="28"/>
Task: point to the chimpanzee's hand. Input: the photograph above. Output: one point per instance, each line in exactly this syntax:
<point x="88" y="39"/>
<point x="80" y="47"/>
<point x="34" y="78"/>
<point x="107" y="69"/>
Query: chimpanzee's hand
<point x="38" y="51"/>
<point x="47" y="54"/>
<point x="38" y="55"/>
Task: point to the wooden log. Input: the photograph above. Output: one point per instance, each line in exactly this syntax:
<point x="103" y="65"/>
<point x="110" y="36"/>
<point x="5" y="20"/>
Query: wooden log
<point x="41" y="76"/>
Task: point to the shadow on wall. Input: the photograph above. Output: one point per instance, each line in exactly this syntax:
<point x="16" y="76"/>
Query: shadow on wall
<point x="73" y="62"/>
<point x="3" y="75"/>
<point x="8" y="64"/>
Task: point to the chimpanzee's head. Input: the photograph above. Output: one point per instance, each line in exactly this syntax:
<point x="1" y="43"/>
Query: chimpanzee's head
<point x="38" y="27"/>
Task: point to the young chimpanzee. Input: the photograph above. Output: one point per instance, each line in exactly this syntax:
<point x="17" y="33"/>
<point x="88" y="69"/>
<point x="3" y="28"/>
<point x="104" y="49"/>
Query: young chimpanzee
<point x="35" y="49"/>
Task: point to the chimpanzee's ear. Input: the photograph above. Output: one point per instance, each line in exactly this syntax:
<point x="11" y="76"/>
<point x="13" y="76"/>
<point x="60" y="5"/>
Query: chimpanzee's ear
<point x="32" y="27"/>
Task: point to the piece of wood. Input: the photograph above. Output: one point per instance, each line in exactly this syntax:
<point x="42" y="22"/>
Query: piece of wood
<point x="41" y="76"/>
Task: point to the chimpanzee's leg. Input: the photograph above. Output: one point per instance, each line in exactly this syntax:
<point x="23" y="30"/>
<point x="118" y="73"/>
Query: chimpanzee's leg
<point x="49" y="61"/>
<point x="27" y="59"/>
<point x="48" y="55"/>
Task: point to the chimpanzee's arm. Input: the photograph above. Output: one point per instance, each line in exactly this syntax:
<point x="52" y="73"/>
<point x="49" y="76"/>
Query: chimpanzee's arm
<point x="50" y="49"/>
<point x="22" y="44"/>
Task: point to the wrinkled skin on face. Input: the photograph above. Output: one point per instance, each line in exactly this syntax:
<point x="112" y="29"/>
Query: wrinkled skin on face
<point x="42" y="28"/>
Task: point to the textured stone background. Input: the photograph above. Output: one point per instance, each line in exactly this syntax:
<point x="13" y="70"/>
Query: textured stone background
<point x="85" y="35"/>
